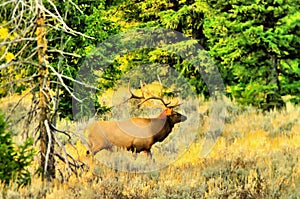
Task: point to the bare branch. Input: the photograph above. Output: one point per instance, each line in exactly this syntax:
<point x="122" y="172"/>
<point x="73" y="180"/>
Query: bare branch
<point x="22" y="50"/>
<point x="64" y="53"/>
<point x="16" y="41"/>
<point x="58" y="17"/>
<point x="49" y="145"/>
<point x="26" y="19"/>
<point x="61" y="157"/>
<point x="31" y="113"/>
<point x="20" y="16"/>
<point x="18" y="103"/>
<point x="19" y="81"/>
<point x="76" y="6"/>
<point x="75" y="163"/>
<point x="73" y="80"/>
<point x="60" y="131"/>
<point x="24" y="116"/>
<point x="59" y="76"/>
<point x="4" y="54"/>
<point x="74" y="160"/>
<point x="31" y="56"/>
<point x="18" y="62"/>
<point x="5" y="3"/>
<point x="8" y="42"/>
<point x="65" y="155"/>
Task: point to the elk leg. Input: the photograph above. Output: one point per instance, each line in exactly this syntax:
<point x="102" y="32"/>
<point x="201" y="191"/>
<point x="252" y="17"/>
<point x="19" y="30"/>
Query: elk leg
<point x="97" y="149"/>
<point x="149" y="154"/>
<point x="109" y="148"/>
<point x="134" y="155"/>
<point x="133" y="150"/>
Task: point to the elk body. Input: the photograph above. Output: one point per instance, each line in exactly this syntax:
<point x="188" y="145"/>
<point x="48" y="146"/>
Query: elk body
<point x="135" y="134"/>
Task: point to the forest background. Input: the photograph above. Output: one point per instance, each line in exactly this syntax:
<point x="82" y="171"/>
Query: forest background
<point x="254" y="45"/>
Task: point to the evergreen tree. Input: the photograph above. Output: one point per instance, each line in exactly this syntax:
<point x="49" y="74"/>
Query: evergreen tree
<point x="256" y="45"/>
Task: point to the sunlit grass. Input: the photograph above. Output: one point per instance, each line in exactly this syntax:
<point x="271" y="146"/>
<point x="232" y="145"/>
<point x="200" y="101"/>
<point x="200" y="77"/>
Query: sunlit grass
<point x="257" y="156"/>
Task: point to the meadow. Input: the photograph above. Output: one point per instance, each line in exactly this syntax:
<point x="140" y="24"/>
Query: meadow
<point x="256" y="156"/>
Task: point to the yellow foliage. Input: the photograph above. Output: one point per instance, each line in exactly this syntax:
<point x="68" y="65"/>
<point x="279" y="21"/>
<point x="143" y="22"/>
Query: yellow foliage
<point x="106" y="98"/>
<point x="3" y="33"/>
<point x="9" y="56"/>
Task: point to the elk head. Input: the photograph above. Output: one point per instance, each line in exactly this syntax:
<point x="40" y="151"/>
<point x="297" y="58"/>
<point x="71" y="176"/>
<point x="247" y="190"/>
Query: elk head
<point x="168" y="111"/>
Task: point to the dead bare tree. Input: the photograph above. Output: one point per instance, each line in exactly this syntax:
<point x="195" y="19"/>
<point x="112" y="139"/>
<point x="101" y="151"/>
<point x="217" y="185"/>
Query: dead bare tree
<point x="28" y="25"/>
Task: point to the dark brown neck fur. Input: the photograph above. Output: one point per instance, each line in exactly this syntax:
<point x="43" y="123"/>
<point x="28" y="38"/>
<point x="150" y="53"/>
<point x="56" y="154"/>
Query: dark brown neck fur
<point x="165" y="131"/>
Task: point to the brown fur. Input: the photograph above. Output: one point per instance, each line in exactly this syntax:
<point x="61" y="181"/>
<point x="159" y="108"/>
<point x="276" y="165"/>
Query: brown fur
<point x="135" y="134"/>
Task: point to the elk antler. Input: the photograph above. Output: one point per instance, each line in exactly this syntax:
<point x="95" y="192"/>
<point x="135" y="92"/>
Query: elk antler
<point x="133" y="96"/>
<point x="156" y="98"/>
<point x="166" y="104"/>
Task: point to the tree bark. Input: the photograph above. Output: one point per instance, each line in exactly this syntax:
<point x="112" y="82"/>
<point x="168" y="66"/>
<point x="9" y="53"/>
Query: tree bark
<point x="274" y="99"/>
<point x="47" y="161"/>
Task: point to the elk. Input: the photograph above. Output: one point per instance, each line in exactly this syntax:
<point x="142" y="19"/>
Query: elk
<point x="135" y="134"/>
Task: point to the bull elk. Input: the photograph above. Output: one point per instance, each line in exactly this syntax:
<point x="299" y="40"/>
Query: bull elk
<point x="135" y="134"/>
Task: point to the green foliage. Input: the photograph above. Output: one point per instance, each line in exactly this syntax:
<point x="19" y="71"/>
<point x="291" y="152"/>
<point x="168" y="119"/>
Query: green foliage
<point x="92" y="20"/>
<point x="14" y="160"/>
<point x="186" y="17"/>
<point x="255" y="44"/>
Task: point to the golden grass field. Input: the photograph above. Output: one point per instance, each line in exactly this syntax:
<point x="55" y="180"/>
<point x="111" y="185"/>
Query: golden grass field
<point x="257" y="156"/>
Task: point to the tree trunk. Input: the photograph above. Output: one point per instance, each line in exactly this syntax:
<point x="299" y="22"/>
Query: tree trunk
<point x="47" y="161"/>
<point x="274" y="99"/>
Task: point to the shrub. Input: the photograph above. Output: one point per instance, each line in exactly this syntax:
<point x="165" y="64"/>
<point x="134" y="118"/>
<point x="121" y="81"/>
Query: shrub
<point x="14" y="159"/>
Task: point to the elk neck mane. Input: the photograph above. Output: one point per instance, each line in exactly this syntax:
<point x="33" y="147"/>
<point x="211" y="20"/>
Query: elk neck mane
<point x="162" y="115"/>
<point x="166" y="131"/>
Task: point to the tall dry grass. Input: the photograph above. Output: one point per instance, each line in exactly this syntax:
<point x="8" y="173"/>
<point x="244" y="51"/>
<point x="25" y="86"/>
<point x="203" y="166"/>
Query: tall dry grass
<point x="257" y="156"/>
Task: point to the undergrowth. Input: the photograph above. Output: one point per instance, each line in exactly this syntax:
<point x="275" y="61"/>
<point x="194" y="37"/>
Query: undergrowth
<point x="257" y="156"/>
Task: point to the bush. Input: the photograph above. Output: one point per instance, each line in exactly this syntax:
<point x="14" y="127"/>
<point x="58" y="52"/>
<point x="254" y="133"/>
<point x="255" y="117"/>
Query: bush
<point x="14" y="159"/>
